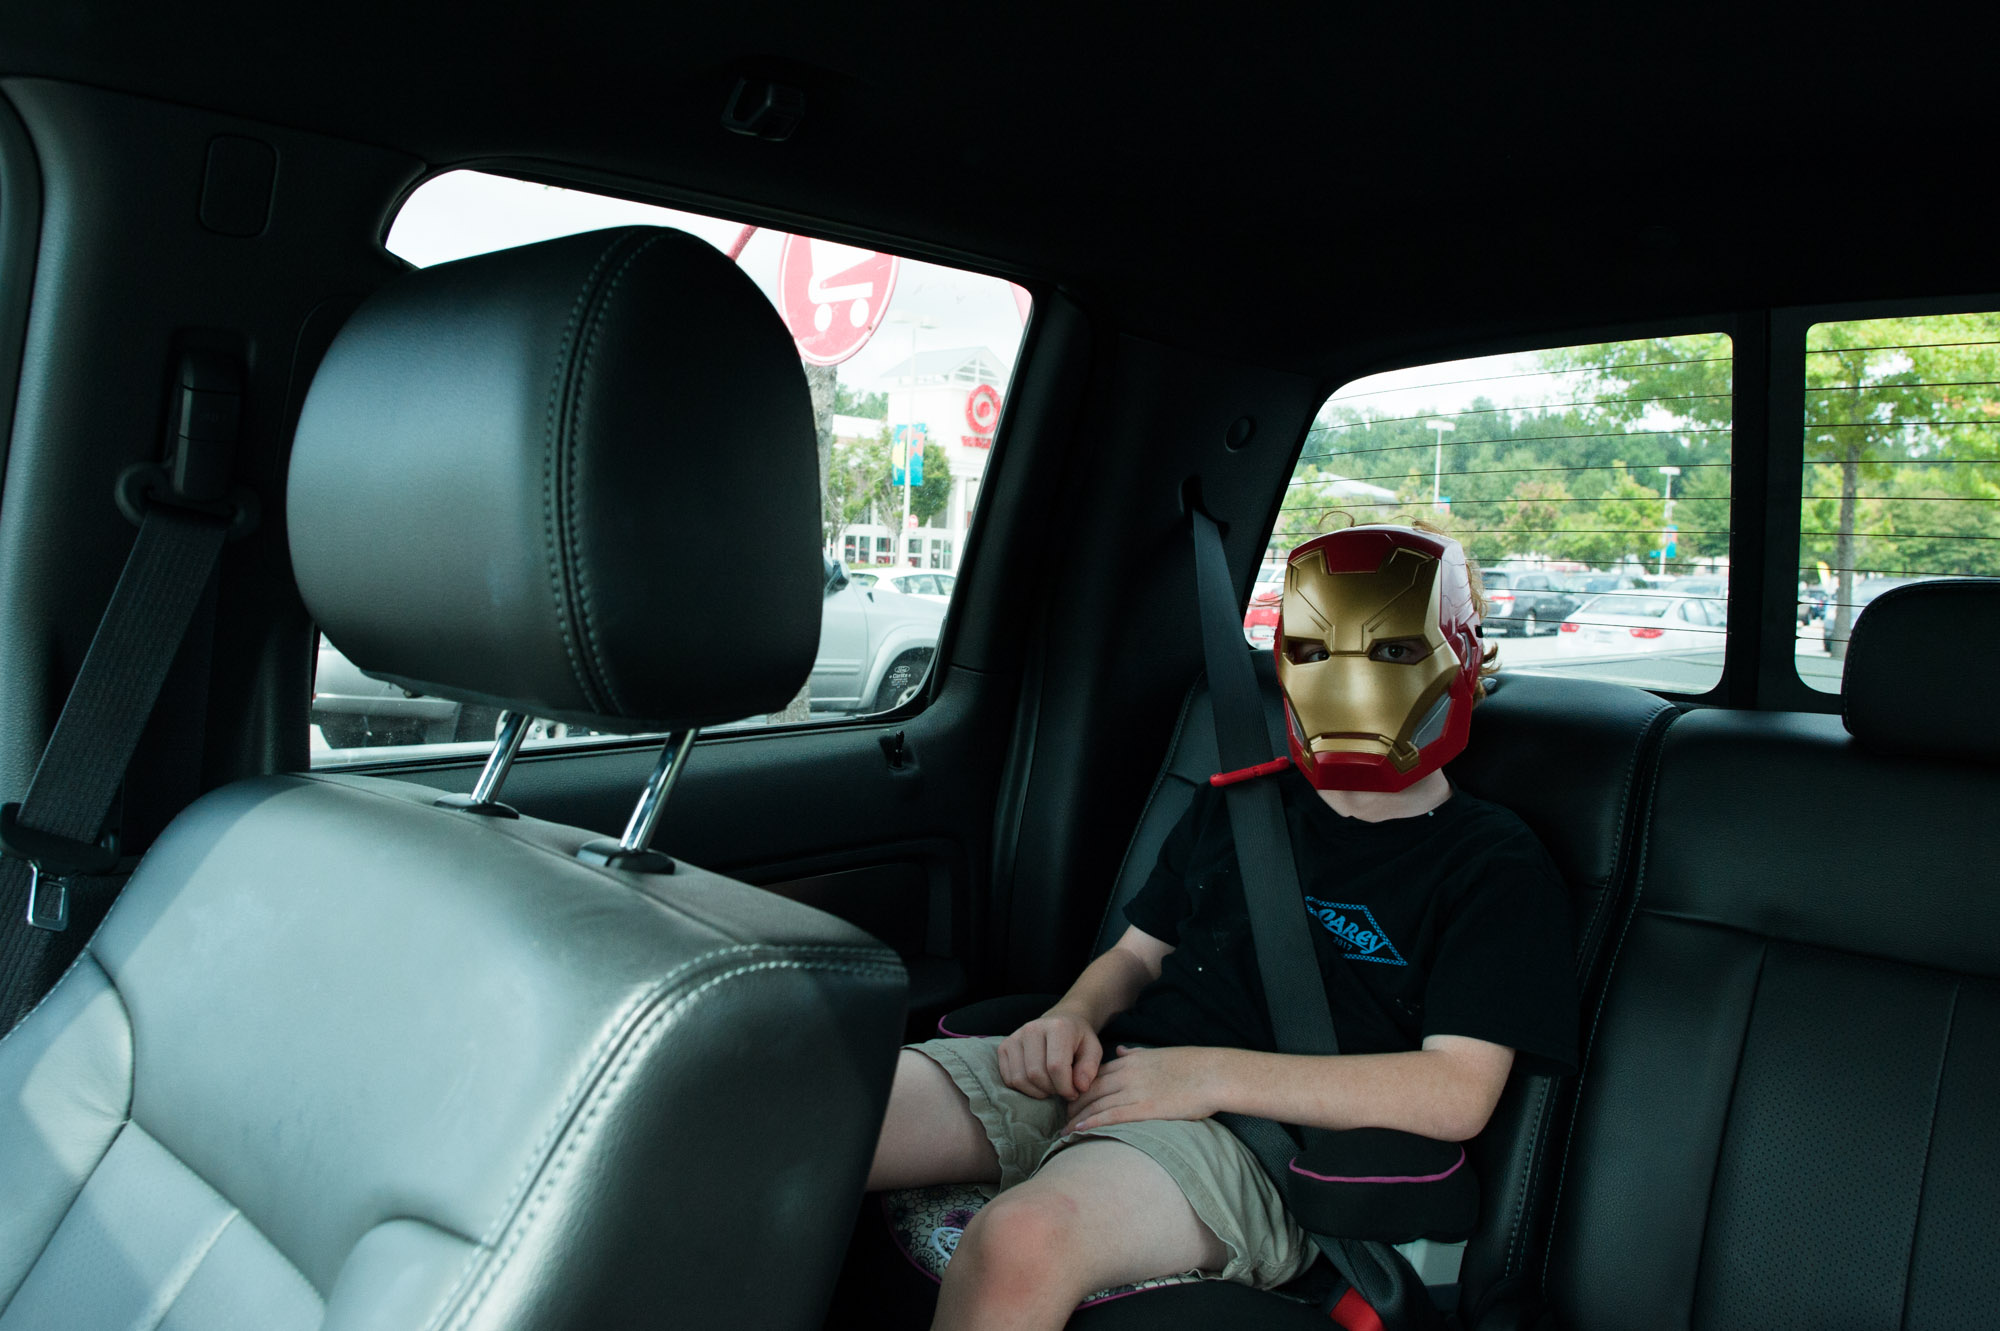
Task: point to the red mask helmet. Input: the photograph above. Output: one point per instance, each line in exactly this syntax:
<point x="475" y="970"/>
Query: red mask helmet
<point x="1378" y="656"/>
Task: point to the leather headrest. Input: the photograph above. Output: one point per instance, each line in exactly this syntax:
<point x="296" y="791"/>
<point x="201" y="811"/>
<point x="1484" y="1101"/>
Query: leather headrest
<point x="1915" y="679"/>
<point x="510" y="469"/>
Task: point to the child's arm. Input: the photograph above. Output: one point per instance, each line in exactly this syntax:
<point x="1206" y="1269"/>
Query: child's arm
<point x="1058" y="1052"/>
<point x="1445" y="1090"/>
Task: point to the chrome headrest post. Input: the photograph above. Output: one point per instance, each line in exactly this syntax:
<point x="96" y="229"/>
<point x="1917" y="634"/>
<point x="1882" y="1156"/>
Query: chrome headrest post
<point x="513" y="729"/>
<point x="485" y="796"/>
<point x="639" y="831"/>
<point x="631" y="850"/>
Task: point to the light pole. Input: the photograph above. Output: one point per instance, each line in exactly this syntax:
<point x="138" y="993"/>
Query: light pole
<point x="1437" y="472"/>
<point x="910" y="437"/>
<point x="1667" y="521"/>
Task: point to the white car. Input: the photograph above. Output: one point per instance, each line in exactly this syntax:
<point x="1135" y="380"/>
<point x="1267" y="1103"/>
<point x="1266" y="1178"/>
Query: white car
<point x="1643" y="621"/>
<point x="930" y="584"/>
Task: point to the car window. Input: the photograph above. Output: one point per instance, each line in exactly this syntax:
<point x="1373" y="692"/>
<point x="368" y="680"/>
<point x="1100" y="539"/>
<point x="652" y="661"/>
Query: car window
<point x="908" y="365"/>
<point x="1608" y="461"/>
<point x="1902" y="452"/>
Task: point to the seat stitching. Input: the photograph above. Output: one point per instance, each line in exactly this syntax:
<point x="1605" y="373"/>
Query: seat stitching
<point x="1930" y="1143"/>
<point x="1646" y="746"/>
<point x="573" y="527"/>
<point x="195" y="1265"/>
<point x="1536" y="1136"/>
<point x="131" y="1034"/>
<point x="235" y="1211"/>
<point x="592" y="1068"/>
<point x="1728" y="1112"/>
<point x="638" y="1043"/>
<point x="1603" y="996"/>
<point x="558" y="382"/>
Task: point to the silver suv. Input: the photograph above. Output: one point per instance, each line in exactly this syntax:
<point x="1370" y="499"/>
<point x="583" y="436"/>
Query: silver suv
<point x="875" y="644"/>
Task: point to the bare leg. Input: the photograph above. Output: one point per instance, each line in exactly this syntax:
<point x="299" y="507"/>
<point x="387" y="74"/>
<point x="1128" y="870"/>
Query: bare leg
<point x="1100" y="1213"/>
<point x="929" y="1134"/>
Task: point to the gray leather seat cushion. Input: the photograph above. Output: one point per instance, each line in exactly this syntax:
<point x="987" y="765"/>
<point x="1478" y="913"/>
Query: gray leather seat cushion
<point x="339" y="1054"/>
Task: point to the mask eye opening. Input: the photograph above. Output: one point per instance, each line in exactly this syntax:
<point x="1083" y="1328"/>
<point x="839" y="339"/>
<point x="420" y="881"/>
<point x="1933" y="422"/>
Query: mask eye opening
<point x="1305" y="651"/>
<point x="1400" y="651"/>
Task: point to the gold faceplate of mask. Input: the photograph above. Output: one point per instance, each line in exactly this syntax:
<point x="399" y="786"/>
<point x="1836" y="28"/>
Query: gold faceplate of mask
<point x="1349" y="703"/>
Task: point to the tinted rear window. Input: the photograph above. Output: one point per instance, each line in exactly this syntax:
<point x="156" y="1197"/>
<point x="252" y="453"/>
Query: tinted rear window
<point x="1610" y="460"/>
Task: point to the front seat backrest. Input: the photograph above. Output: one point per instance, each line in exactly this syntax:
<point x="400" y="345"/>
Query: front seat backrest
<point x="343" y="1057"/>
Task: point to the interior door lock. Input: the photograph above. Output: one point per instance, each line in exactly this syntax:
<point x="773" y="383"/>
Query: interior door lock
<point x="896" y="748"/>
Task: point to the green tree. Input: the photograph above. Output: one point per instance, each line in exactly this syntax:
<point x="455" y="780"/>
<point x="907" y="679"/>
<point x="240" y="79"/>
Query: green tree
<point x="861" y="488"/>
<point x="1901" y="418"/>
<point x="933" y="497"/>
<point x="868" y="406"/>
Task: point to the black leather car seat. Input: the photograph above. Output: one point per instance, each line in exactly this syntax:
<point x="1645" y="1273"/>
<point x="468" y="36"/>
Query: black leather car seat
<point x="1787" y="1116"/>
<point x="344" y="1057"/>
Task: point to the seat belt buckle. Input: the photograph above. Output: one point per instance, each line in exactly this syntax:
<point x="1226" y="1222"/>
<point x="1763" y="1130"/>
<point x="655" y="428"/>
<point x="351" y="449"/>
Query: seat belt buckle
<point x="48" y="900"/>
<point x="52" y="861"/>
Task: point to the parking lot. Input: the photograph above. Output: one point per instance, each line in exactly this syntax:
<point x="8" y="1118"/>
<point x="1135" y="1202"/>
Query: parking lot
<point x="1679" y="672"/>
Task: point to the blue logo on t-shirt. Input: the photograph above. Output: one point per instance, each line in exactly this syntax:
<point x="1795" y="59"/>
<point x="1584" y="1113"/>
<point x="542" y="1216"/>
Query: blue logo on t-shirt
<point x="1357" y="931"/>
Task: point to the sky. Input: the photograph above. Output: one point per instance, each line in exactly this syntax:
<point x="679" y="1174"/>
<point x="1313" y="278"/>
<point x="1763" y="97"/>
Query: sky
<point x="463" y="213"/>
<point x="1449" y="386"/>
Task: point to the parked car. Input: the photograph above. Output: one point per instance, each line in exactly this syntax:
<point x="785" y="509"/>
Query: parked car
<point x="931" y="584"/>
<point x="354" y="711"/>
<point x="874" y="645"/>
<point x="1596" y="584"/>
<point x="1644" y="621"/>
<point x="1260" y="618"/>
<point x="1525" y="603"/>
<point x="1812" y="603"/>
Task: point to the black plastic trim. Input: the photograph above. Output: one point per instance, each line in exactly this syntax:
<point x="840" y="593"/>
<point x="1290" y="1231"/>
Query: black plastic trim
<point x="20" y="234"/>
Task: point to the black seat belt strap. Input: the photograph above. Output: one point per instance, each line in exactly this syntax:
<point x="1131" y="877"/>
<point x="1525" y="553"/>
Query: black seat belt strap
<point x="1293" y="990"/>
<point x="1285" y="958"/>
<point x="185" y="509"/>
<point x="53" y="833"/>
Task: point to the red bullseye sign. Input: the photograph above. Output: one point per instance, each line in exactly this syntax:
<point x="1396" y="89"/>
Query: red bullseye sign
<point x="832" y="296"/>
<point x="982" y="408"/>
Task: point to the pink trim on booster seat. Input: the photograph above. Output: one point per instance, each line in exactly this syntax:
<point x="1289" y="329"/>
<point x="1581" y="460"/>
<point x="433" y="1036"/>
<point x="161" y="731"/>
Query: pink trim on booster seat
<point x="947" y="1031"/>
<point x="1418" y="1178"/>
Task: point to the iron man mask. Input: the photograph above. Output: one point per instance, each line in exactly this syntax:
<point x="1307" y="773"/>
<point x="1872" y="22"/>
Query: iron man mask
<point x="1378" y="656"/>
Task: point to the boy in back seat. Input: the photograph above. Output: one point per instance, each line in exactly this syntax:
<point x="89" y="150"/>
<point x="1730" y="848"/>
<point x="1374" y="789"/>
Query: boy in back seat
<point x="1442" y="936"/>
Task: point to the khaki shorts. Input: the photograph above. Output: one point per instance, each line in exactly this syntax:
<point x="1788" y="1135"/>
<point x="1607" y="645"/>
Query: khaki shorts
<point x="1222" y="1181"/>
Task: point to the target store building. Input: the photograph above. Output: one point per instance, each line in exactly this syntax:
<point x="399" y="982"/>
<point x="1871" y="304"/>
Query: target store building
<point x="955" y="396"/>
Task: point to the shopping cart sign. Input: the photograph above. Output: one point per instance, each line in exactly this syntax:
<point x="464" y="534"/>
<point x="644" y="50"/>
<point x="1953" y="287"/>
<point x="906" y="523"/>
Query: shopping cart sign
<point x="832" y="296"/>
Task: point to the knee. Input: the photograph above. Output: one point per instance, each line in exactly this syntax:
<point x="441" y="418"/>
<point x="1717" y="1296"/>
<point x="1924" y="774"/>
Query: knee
<point x="1020" y="1248"/>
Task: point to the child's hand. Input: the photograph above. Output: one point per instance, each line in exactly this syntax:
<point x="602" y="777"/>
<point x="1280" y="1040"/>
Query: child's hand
<point x="1147" y="1083"/>
<point x="1055" y="1054"/>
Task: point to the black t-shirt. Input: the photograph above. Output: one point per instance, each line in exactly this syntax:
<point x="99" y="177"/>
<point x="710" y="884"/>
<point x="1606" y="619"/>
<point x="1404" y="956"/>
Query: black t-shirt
<point x="1453" y="922"/>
